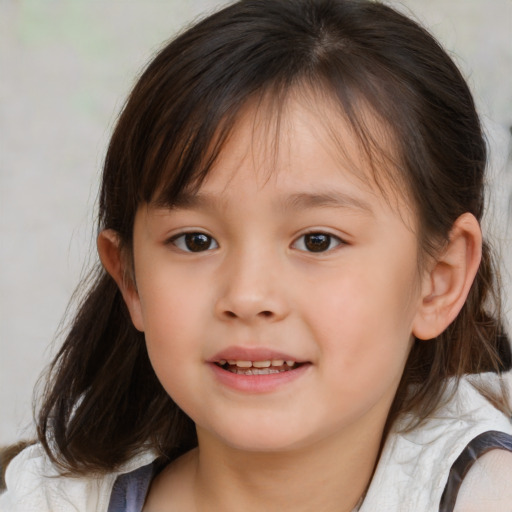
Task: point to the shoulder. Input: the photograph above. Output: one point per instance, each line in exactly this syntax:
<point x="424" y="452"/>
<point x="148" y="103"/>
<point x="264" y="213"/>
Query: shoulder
<point x="34" y="484"/>
<point x="488" y="484"/>
<point x="23" y="482"/>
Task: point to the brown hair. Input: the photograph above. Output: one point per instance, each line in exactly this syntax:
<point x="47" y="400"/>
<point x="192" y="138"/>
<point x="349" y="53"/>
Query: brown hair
<point x="103" y="402"/>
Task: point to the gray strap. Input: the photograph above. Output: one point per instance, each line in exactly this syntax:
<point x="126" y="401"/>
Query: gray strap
<point x="130" y="489"/>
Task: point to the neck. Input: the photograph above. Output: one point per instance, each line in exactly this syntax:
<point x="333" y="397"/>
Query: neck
<point x="330" y="475"/>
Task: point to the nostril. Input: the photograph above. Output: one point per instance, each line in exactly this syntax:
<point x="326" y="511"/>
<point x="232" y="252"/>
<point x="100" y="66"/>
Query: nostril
<point x="262" y="314"/>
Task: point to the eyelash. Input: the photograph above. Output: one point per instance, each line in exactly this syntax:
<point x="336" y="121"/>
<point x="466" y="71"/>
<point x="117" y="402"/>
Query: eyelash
<point x="181" y="242"/>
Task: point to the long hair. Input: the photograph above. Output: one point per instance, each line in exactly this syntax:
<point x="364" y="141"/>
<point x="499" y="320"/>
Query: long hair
<point x="103" y="401"/>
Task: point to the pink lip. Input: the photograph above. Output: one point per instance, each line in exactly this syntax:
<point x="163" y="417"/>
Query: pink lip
<point x="255" y="384"/>
<point x="251" y="354"/>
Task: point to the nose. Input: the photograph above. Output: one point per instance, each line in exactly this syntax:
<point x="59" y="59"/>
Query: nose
<point x="252" y="288"/>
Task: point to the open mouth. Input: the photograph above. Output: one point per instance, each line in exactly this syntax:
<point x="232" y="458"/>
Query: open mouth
<point x="258" y="367"/>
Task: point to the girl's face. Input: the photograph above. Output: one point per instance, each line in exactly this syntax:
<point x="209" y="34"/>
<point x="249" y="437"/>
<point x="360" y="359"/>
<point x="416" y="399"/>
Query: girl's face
<point x="278" y="303"/>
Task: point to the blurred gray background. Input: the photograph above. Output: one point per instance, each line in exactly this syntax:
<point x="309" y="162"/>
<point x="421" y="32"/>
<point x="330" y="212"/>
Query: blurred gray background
<point x="65" y="70"/>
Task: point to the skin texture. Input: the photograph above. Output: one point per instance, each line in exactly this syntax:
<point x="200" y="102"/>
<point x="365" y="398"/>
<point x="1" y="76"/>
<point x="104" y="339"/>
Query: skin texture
<point x="349" y="312"/>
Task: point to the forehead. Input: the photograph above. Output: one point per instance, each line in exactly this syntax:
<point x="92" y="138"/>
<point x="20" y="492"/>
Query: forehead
<point x="306" y="142"/>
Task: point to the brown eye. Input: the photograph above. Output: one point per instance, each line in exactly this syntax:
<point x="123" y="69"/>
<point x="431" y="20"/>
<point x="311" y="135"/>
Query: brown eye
<point x="317" y="242"/>
<point x="195" y="242"/>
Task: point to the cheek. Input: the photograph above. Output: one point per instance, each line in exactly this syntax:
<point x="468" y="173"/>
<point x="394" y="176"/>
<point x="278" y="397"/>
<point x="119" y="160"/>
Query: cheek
<point x="363" y="322"/>
<point x="173" y="317"/>
<point x="170" y="301"/>
<point x="173" y="349"/>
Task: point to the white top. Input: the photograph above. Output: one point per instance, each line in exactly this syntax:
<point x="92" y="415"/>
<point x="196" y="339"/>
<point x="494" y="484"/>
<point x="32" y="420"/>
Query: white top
<point x="410" y="476"/>
<point x="413" y="468"/>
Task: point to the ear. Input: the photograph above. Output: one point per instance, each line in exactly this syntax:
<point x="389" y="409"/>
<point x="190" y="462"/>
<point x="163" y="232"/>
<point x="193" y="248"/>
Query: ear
<point x="114" y="262"/>
<point x="446" y="285"/>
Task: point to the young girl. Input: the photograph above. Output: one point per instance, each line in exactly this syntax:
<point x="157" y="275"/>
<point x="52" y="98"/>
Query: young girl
<point x="295" y="309"/>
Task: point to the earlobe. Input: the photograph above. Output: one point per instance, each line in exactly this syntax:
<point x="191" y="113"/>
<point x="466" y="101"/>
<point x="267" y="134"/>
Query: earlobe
<point x="446" y="285"/>
<point x="110" y="252"/>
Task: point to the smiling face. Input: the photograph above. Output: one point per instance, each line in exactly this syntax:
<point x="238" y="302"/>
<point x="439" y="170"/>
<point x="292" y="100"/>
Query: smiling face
<point x="278" y="301"/>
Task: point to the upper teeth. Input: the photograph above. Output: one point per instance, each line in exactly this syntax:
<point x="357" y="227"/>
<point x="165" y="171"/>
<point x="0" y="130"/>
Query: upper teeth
<point x="256" y="364"/>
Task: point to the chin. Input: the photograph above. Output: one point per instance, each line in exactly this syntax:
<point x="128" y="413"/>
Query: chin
<point x="260" y="438"/>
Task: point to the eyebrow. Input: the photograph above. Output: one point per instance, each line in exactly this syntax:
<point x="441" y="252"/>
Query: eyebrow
<point x="298" y="201"/>
<point x="331" y="199"/>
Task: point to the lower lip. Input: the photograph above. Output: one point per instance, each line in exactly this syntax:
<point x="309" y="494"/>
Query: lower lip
<point x="257" y="383"/>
